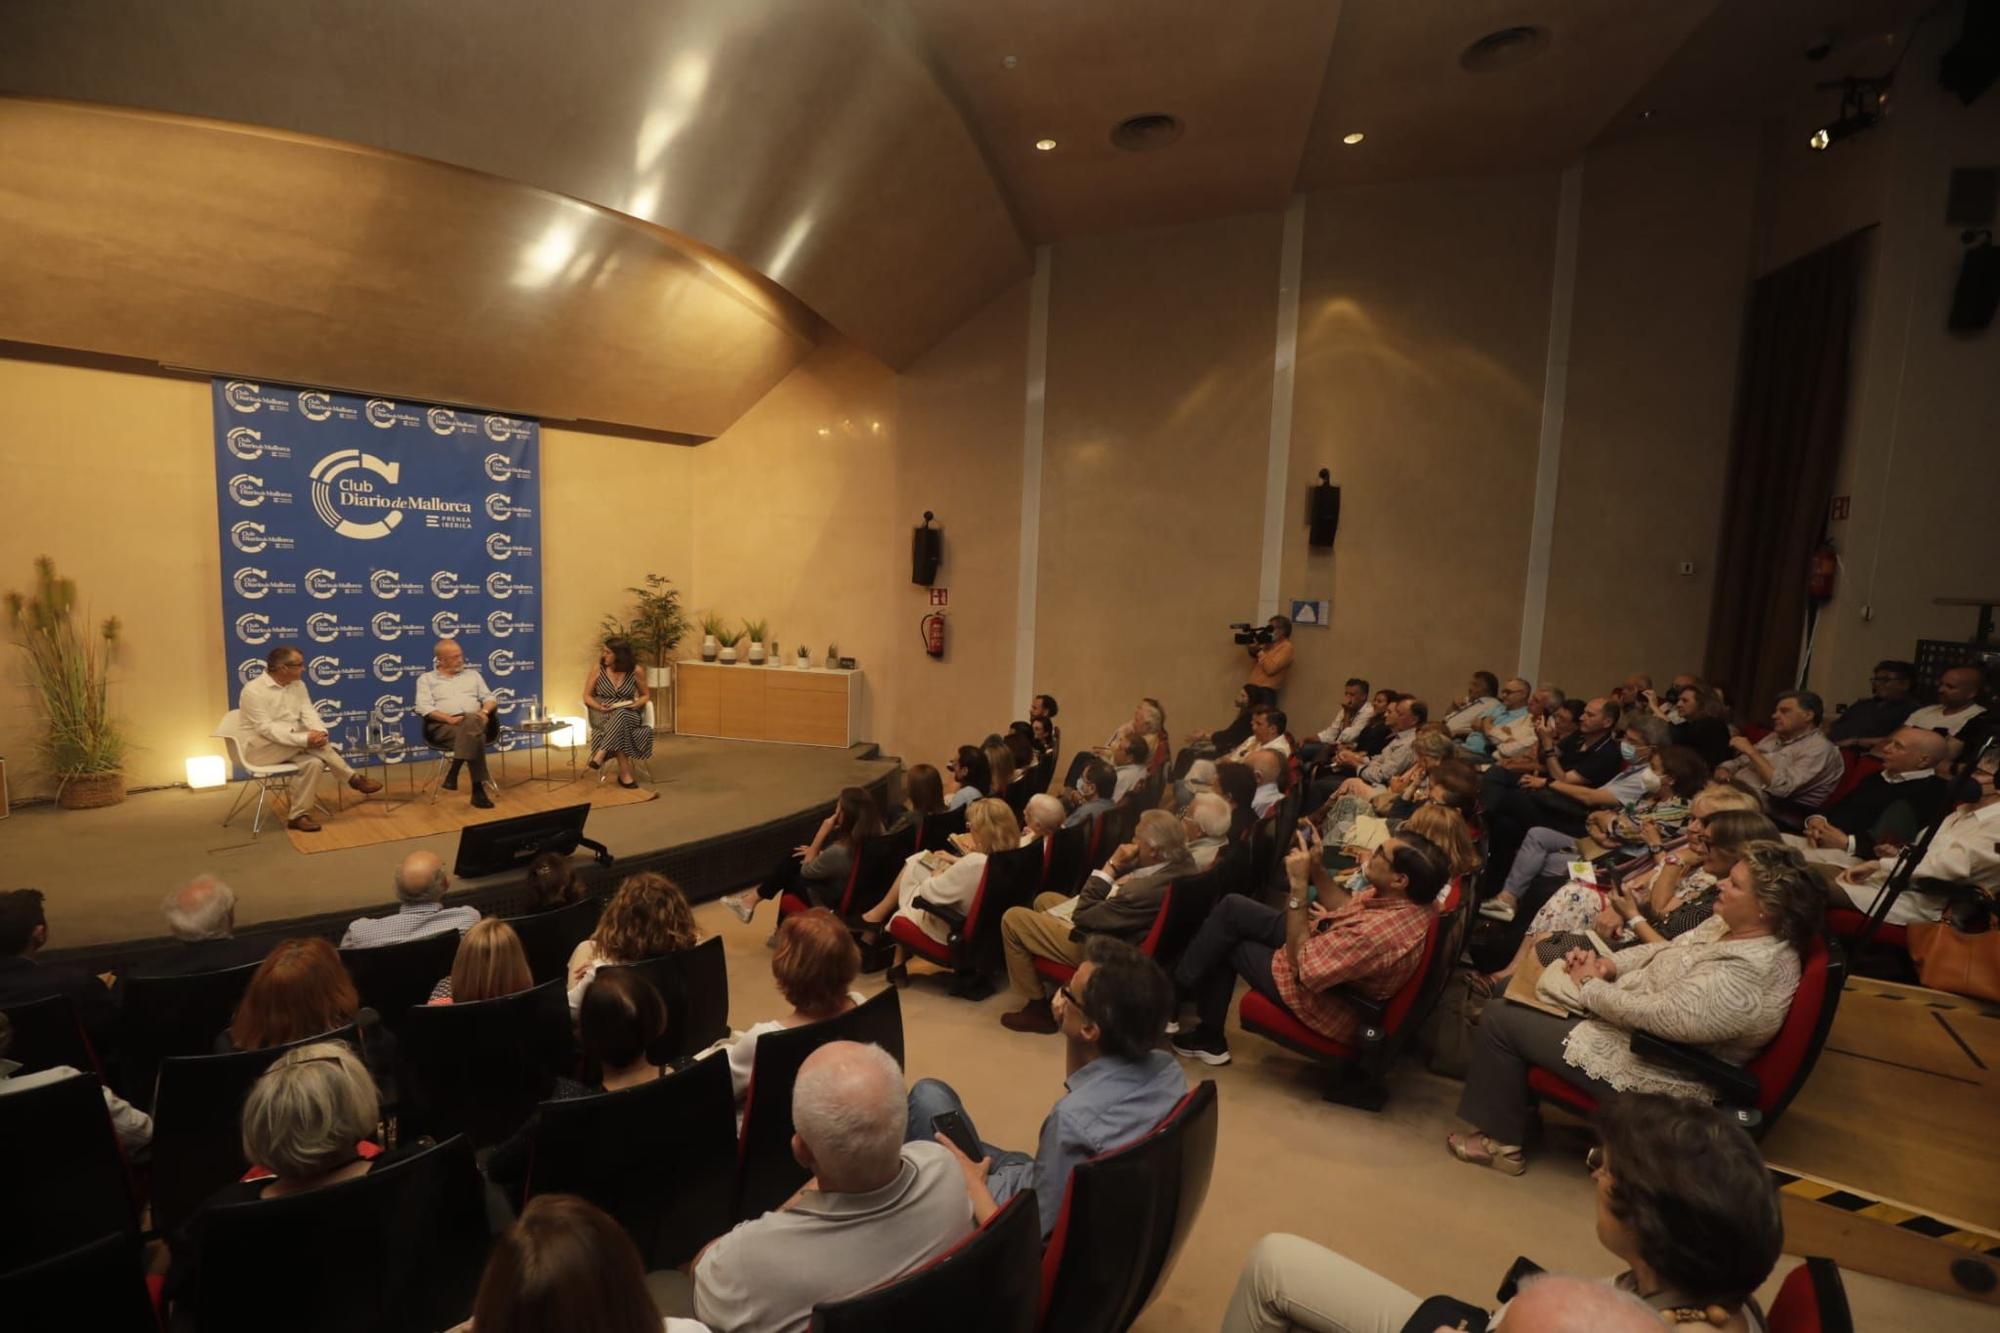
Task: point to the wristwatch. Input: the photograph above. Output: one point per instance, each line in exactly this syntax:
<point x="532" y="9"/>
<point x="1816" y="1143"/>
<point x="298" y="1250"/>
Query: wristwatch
<point x="1636" y="920"/>
<point x="1295" y="903"/>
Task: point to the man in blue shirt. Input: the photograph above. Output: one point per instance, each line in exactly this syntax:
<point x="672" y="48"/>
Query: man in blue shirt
<point x="1503" y="727"/>
<point x="1121" y="1083"/>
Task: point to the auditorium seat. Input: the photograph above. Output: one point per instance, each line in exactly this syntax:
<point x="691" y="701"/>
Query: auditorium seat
<point x="1069" y="859"/>
<point x="399" y="1249"/>
<point x="1356" y="1071"/>
<point x="548" y="938"/>
<point x="972" y="948"/>
<point x="174" y="1016"/>
<point x="935" y="834"/>
<point x="48" y="1033"/>
<point x="1060" y="972"/>
<point x="768" y="1174"/>
<point x="990" y="1282"/>
<point x="1757" y="1093"/>
<point x="1812" y="1299"/>
<point x="1195" y="896"/>
<point x="67" y="1184"/>
<point x="660" y="1158"/>
<point x="480" y="1068"/>
<point x="875" y="868"/>
<point x="1127" y="1213"/>
<point x="393" y="978"/>
<point x="694" y="983"/>
<point x="100" y="1286"/>
<point x="197" y="1112"/>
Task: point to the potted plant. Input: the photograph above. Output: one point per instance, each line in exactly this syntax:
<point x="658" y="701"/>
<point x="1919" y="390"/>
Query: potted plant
<point x="726" y="640"/>
<point x="656" y="628"/>
<point x="805" y="659"/>
<point x="756" y="629"/>
<point x="81" y="745"/>
<point x="713" y="627"/>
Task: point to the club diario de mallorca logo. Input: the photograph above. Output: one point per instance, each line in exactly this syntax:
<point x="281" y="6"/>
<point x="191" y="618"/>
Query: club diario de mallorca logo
<point x="390" y="668"/>
<point x="383" y="414"/>
<point x="502" y="468"/>
<point x="505" y="624"/>
<point x="256" y="584"/>
<point x="329" y="671"/>
<point x="248" y="444"/>
<point x="246" y="397"/>
<point x="249" y="491"/>
<point x="450" y="625"/>
<point x="251" y="538"/>
<point x="249" y="669"/>
<point x="444" y="421"/>
<point x="502" y="547"/>
<point x="501" y="429"/>
<point x="447" y="584"/>
<point x="349" y="481"/>
<point x="500" y="508"/>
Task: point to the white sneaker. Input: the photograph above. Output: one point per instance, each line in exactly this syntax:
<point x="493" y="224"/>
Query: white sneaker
<point x="1174" y="1029"/>
<point x="743" y="904"/>
<point x="1492" y="909"/>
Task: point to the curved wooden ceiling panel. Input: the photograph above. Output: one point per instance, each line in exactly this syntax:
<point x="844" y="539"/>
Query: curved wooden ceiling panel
<point x="278" y="256"/>
<point x="803" y="137"/>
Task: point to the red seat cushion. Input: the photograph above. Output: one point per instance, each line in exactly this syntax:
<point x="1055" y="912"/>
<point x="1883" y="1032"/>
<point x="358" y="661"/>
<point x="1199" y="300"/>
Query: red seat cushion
<point x="907" y="932"/>
<point x="1848" y="924"/>
<point x="790" y="904"/>
<point x="1261" y="1014"/>
<point x="1544" y="1084"/>
<point x="1857" y="769"/>
<point x="1060" y="973"/>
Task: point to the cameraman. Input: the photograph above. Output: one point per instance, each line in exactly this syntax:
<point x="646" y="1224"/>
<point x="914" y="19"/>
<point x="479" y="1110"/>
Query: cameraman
<point x="1270" y="663"/>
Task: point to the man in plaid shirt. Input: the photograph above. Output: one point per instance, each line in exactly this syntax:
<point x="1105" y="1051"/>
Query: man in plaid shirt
<point x="1371" y="939"/>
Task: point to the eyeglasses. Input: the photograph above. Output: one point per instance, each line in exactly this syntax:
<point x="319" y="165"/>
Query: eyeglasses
<point x="1069" y="997"/>
<point x="1594" y="1159"/>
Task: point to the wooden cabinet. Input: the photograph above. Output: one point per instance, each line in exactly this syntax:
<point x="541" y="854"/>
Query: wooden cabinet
<point x="765" y="703"/>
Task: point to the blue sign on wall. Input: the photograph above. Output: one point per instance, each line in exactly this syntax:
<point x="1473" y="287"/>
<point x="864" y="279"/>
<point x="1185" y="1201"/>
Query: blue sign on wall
<point x="364" y="530"/>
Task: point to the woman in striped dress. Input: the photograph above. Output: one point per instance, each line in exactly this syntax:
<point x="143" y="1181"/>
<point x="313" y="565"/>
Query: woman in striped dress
<point x="616" y="696"/>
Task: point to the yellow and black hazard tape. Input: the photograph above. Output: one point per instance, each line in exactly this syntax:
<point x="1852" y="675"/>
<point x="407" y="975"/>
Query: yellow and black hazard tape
<point x="1954" y="1233"/>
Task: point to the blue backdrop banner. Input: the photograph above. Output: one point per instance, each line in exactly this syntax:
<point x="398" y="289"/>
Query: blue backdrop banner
<point x="364" y="530"/>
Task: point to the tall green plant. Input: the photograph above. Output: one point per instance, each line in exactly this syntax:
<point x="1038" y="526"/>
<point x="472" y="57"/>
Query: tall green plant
<point x="657" y="624"/>
<point x="70" y="671"/>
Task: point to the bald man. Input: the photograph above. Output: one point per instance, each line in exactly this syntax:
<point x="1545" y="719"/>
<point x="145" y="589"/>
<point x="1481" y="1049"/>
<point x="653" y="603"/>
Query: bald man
<point x="1891" y="807"/>
<point x="461" y="715"/>
<point x="1958" y="703"/>
<point x="421" y="881"/>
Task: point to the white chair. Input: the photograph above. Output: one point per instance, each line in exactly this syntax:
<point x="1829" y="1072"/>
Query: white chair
<point x="231" y="733"/>
<point x="645" y="767"/>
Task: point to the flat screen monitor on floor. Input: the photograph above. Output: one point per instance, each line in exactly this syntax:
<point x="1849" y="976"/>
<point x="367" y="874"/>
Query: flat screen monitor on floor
<point x="508" y="844"/>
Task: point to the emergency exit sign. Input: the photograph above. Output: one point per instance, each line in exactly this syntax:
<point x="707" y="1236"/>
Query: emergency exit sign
<point x="1840" y="504"/>
<point x="940" y="597"/>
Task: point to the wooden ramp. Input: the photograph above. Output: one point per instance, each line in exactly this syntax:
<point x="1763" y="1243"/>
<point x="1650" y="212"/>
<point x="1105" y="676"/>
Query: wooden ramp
<point x="1888" y="1161"/>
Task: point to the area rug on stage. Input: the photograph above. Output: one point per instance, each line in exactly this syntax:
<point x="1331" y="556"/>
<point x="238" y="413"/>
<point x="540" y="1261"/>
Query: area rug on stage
<point x="391" y="816"/>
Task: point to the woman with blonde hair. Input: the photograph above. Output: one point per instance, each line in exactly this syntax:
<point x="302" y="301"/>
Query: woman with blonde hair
<point x="647" y="917"/>
<point x="1000" y="763"/>
<point x="944" y="878"/>
<point x="1445" y="827"/>
<point x="490" y="964"/>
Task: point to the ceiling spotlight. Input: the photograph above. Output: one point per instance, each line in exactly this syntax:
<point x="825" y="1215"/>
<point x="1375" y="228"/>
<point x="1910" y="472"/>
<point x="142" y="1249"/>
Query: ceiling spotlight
<point x="1045" y="145"/>
<point x="1353" y="138"/>
<point x="1009" y="62"/>
<point x="1861" y="102"/>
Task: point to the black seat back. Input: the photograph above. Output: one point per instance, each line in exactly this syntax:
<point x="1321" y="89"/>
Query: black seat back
<point x="1124" y="1219"/>
<point x="660" y="1158"/>
<point x="695" y="984"/>
<point x="548" y="938"/>
<point x="100" y="1286"/>
<point x="1068" y="863"/>
<point x="400" y="1248"/>
<point x="197" y="1124"/>
<point x="66" y="1183"/>
<point x="938" y="828"/>
<point x="769" y="1174"/>
<point x="988" y="1283"/>
<point x="1013" y="878"/>
<point x="393" y="978"/>
<point x="1195" y="896"/>
<point x="47" y="1033"/>
<point x="479" y="1069"/>
<point x="881" y="860"/>
<point x="175" y="1016"/>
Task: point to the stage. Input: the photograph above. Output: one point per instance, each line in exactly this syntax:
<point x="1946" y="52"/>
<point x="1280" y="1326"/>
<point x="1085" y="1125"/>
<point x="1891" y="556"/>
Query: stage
<point x="106" y="871"/>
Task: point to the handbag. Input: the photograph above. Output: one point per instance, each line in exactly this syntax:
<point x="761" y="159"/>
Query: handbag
<point x="1959" y="961"/>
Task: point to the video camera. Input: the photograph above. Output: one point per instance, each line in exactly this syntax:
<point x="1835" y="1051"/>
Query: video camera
<point x="1247" y="633"/>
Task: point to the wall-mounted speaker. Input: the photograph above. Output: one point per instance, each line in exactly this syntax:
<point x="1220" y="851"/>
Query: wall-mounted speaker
<point x="926" y="552"/>
<point x="1977" y="295"/>
<point x="1323" y="511"/>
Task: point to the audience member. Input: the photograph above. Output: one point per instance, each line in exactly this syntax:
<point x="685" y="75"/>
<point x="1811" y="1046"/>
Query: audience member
<point x="490" y="964"/>
<point x="1406" y="714"/>
<point x="818" y="871"/>
<point x="1356" y="712"/>
<point x="1267" y="732"/>
<point x="24" y="932"/>
<point x="1795" y="764"/>
<point x="1559" y="742"/>
<point x="1047" y="744"/>
<point x="1093" y="793"/>
<point x="1633" y="691"/>
<point x="1429" y="747"/>
<point x="1507" y="729"/>
<point x="1120" y="899"/>
<point x="1866" y="723"/>
<point x="1132" y="767"/>
<point x="945" y="879"/>
<point x="309" y="1122"/>
<point x="421" y="881"/>
<point x="1371" y="940"/>
<point x="565" y="1265"/>
<point x="813" y="964"/>
<point x="1700" y="721"/>
<point x="923" y="796"/>
<point x="1270" y="662"/>
<point x="1268" y="766"/>
<point x="1725" y="986"/>
<point x="1684" y="1201"/>
<point x="876" y="1206"/>
<point x="300" y="990"/>
<point x="1200" y="777"/>
<point x="133" y="1127"/>
<point x="648" y="916"/>
<point x="1119" y="1083"/>
<point x="553" y="882"/>
<point x="1964" y="850"/>
<point x="1439" y="824"/>
<point x="1043" y="708"/>
<point x="1377" y="731"/>
<point x="1041" y="817"/>
<point x="1020" y="743"/>
<point x="1889" y="807"/>
<point x="971" y="779"/>
<point x="1206" y="822"/>
<point x="1000" y="764"/>
<point x="1237" y="784"/>
<point x="1479" y="700"/>
<point x="201" y="917"/>
<point x="1958" y="703"/>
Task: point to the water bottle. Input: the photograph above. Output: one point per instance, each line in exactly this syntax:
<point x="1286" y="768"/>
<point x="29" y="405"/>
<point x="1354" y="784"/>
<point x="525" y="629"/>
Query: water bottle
<point x="534" y="709"/>
<point x="375" y="729"/>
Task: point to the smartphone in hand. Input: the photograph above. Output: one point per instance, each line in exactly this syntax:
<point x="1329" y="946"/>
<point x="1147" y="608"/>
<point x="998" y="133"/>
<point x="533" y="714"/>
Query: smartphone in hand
<point x="952" y="1125"/>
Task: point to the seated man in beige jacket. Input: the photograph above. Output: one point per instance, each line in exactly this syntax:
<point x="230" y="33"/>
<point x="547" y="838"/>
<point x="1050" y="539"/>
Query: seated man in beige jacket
<point x="1121" y="899"/>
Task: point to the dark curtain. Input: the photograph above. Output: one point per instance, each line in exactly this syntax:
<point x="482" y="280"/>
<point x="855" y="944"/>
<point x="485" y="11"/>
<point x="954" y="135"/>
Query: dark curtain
<point x="1791" y="403"/>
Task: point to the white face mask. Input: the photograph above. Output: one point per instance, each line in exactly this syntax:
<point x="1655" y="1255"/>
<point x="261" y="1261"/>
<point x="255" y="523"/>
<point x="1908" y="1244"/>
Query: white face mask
<point x="1650" y="781"/>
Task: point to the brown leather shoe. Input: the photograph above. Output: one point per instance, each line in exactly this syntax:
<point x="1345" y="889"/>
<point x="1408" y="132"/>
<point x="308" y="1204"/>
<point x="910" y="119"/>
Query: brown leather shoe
<point x="304" y="824"/>
<point x="1034" y="1016"/>
<point x="366" y="786"/>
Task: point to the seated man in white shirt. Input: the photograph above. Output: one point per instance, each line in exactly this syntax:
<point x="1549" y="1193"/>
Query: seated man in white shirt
<point x="1958" y="703"/>
<point x="1796" y="766"/>
<point x="1267" y="732"/>
<point x="1131" y="768"/>
<point x="1964" y="850"/>
<point x="875" y="1208"/>
<point x="1481" y="698"/>
<point x="421" y="881"/>
<point x="1206" y="823"/>
<point x="282" y="726"/>
<point x="1356" y="712"/>
<point x="1269" y="766"/>
<point x="460" y="716"/>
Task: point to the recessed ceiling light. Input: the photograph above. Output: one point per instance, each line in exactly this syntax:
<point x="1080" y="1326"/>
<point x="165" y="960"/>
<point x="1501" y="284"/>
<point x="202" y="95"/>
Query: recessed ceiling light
<point x="1045" y="145"/>
<point x="1009" y="62"/>
<point x="1353" y="138"/>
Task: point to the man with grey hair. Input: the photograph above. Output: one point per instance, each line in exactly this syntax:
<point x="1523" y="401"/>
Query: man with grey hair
<point x="1796" y="766"/>
<point x="460" y="716"/>
<point x="1043" y="815"/>
<point x="1120" y="899"/>
<point x="875" y="1208"/>
<point x="421" y="882"/>
<point x="201" y="916"/>
<point x="1206" y="825"/>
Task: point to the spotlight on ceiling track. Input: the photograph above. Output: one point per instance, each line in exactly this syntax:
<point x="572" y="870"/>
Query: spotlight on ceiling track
<point x="1045" y="145"/>
<point x="1352" y="139"/>
<point x="1861" y="103"/>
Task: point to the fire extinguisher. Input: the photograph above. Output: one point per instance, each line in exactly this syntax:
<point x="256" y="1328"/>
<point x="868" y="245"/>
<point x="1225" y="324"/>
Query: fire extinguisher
<point x="933" y="631"/>
<point x="1821" y="571"/>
